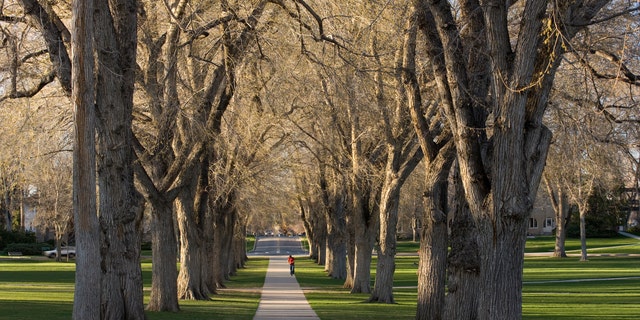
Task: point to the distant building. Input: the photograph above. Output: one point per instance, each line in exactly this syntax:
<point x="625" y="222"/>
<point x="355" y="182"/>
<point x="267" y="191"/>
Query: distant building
<point x="542" y="220"/>
<point x="28" y="216"/>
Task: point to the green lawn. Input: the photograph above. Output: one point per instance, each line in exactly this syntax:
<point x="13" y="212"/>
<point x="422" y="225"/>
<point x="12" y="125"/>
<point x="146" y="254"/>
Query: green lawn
<point x="615" y="245"/>
<point x="37" y="289"/>
<point x="618" y="244"/>
<point x="615" y="297"/>
<point x="605" y="287"/>
<point x="553" y="289"/>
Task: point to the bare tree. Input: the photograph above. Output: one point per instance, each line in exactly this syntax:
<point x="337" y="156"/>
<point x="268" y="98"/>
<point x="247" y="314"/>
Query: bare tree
<point x="494" y="109"/>
<point x="120" y="284"/>
<point x="404" y="152"/>
<point x="55" y="200"/>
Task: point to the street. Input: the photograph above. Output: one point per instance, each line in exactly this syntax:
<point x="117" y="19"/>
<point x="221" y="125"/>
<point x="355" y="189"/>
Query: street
<point x="276" y="246"/>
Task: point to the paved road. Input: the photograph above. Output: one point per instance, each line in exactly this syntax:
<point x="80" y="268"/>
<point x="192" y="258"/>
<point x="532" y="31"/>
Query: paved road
<point x="282" y="298"/>
<point x="278" y="246"/>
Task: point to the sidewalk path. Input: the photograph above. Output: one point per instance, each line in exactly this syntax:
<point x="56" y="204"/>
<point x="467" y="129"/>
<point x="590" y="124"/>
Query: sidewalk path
<point x="629" y="235"/>
<point x="282" y="297"/>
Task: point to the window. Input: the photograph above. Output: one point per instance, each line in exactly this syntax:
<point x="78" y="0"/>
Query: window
<point x="533" y="223"/>
<point x="548" y="223"/>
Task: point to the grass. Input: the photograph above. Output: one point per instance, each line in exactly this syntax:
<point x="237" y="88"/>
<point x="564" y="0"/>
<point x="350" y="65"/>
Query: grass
<point x="618" y="244"/>
<point x="594" y="299"/>
<point x="251" y="241"/>
<point x="37" y="289"/>
<point x="407" y="246"/>
<point x="553" y="288"/>
<point x="330" y="301"/>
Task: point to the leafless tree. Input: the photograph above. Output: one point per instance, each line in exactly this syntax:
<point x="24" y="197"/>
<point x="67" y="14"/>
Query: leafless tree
<point x="493" y="80"/>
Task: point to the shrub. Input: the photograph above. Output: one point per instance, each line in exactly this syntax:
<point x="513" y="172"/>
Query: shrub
<point x="8" y="237"/>
<point x="145" y="246"/>
<point x="28" y="249"/>
<point x="634" y="230"/>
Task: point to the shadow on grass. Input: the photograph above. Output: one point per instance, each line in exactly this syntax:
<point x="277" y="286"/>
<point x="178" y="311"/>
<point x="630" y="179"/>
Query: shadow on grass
<point x="32" y="310"/>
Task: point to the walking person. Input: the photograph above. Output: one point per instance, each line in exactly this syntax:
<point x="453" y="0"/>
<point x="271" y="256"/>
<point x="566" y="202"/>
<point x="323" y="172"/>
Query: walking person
<point x="292" y="265"/>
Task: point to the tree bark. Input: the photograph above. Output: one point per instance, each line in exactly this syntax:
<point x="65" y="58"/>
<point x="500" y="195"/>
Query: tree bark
<point x="402" y="156"/>
<point x="364" y="210"/>
<point x="434" y="242"/>
<point x="121" y="205"/>
<point x="583" y="235"/>
<point x="239" y="247"/>
<point x="561" y="209"/>
<point x="433" y="252"/>
<point x="193" y="204"/>
<point x="164" y="247"/>
<point x="307" y="221"/>
<point x="461" y="301"/>
<point x="333" y="196"/>
<point x="383" y="286"/>
<point x="501" y="174"/>
<point x="58" y="55"/>
<point x="365" y="228"/>
<point x="337" y="241"/>
<point x="351" y="253"/>
<point x="191" y="284"/>
<point x="88" y="277"/>
<point x="320" y="232"/>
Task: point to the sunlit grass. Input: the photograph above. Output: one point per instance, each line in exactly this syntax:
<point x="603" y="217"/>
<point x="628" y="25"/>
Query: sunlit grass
<point x="251" y="241"/>
<point x="32" y="289"/>
<point x="578" y="301"/>
<point x="342" y="305"/>
<point x="548" y="290"/>
<point x="618" y="244"/>
<point x="553" y="289"/>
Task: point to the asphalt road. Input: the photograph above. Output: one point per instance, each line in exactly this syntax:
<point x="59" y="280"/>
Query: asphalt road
<point x="278" y="246"/>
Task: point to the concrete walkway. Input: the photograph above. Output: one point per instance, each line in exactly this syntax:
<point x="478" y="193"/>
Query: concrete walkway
<point x="282" y="297"/>
<point x="629" y="235"/>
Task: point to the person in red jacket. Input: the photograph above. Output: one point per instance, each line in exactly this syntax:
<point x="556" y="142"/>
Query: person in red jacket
<point x="292" y="265"/>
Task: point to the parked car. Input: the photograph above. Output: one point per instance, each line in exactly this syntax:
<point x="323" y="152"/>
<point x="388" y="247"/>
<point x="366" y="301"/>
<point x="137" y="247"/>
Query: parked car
<point x="64" y="251"/>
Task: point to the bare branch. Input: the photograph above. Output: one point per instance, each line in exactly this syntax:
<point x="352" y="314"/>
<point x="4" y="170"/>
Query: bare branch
<point x="4" y="18"/>
<point x="45" y="80"/>
<point x="629" y="76"/>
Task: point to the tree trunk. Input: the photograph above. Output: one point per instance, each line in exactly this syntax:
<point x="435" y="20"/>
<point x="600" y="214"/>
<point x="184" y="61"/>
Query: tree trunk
<point x="333" y="196"/>
<point x="223" y="211"/>
<point x="366" y="224"/>
<point x="501" y="254"/>
<point x="86" y="299"/>
<point x="414" y="229"/>
<point x="164" y="289"/>
<point x="583" y="235"/>
<point x="383" y="286"/>
<point x="240" y="244"/>
<point x="209" y="252"/>
<point x="561" y="209"/>
<point x="228" y="262"/>
<point x="336" y="264"/>
<point x="461" y="302"/>
<point x="8" y="219"/>
<point x="562" y="216"/>
<point x="365" y="238"/>
<point x="320" y="232"/>
<point x="308" y="223"/>
<point x="190" y="282"/>
<point x="121" y="206"/>
<point x="218" y="250"/>
<point x="433" y="252"/>
<point x="495" y="109"/>
<point x="351" y="252"/>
